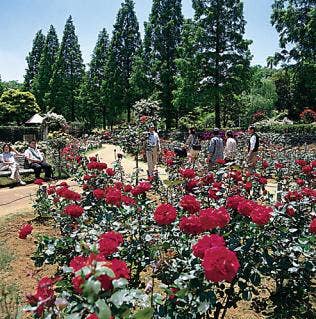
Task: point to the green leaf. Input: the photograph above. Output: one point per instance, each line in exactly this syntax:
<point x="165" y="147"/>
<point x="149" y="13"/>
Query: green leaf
<point x="146" y="313"/>
<point x="120" y="283"/>
<point x="104" y="311"/>
<point x="91" y="288"/>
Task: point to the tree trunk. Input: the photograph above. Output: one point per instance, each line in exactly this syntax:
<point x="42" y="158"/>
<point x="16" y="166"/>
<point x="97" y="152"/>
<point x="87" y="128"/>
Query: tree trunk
<point x="217" y="73"/>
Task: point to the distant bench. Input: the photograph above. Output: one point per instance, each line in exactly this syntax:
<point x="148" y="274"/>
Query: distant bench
<point x="20" y="160"/>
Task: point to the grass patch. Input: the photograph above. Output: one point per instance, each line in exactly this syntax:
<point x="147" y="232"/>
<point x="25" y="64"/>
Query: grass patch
<point x="10" y="302"/>
<point x="6" y="256"/>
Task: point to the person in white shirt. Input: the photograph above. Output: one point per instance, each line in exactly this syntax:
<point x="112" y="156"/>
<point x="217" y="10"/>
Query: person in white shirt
<point x="253" y="146"/>
<point x="230" y="147"/>
<point x="8" y="162"/>
<point x="152" y="147"/>
<point x="36" y="161"/>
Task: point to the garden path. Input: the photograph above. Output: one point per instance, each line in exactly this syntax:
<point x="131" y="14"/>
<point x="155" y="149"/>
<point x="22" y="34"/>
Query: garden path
<point x="20" y="198"/>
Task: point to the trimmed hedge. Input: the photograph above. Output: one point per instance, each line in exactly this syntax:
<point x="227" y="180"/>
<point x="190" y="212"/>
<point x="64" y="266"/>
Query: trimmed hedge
<point x="288" y="128"/>
<point x="13" y="134"/>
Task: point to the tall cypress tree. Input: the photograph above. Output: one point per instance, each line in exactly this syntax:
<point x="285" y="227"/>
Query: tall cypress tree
<point x="33" y="60"/>
<point x="123" y="48"/>
<point x="45" y="69"/>
<point x="162" y="37"/>
<point x="223" y="55"/>
<point x="68" y="73"/>
<point x="186" y="96"/>
<point x="91" y="93"/>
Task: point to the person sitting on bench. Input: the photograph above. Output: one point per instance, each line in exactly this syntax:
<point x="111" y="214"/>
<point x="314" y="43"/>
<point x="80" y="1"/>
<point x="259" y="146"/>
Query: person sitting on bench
<point x="8" y="162"/>
<point x="36" y="161"/>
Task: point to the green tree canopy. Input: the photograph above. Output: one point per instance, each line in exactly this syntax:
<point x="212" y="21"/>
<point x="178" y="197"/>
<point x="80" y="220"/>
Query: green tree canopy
<point x="45" y="68"/>
<point x="93" y="107"/>
<point x="33" y="60"/>
<point x="17" y="106"/>
<point x="123" y="49"/>
<point x="162" y="37"/>
<point x="223" y="54"/>
<point x="68" y="72"/>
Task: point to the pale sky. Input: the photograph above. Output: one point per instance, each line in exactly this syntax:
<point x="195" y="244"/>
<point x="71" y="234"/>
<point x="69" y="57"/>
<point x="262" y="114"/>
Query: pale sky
<point x="21" y="19"/>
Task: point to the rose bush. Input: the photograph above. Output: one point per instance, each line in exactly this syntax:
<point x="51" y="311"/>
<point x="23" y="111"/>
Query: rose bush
<point x="190" y="247"/>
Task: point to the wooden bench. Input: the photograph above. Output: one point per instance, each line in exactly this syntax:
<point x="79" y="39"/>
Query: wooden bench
<point x="20" y="160"/>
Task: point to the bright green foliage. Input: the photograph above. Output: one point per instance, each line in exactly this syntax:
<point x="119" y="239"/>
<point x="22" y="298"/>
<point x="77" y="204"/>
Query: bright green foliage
<point x="296" y="23"/>
<point x="186" y="96"/>
<point x="124" y="47"/>
<point x="45" y="69"/>
<point x="162" y="37"/>
<point x="261" y="97"/>
<point x="93" y="109"/>
<point x="12" y="85"/>
<point x="68" y="73"/>
<point x="223" y="55"/>
<point x="33" y="60"/>
<point x="17" y="106"/>
<point x="1" y="86"/>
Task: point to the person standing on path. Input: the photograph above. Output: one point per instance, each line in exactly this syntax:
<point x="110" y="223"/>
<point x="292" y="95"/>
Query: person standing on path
<point x="193" y="145"/>
<point x="253" y="146"/>
<point x="215" y="148"/>
<point x="230" y="147"/>
<point x="36" y="161"/>
<point x="8" y="162"/>
<point x="152" y="148"/>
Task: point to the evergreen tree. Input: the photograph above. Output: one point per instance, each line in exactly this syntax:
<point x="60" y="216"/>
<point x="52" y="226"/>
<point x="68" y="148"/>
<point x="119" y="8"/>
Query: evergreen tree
<point x="1" y="86"/>
<point x="223" y="55"/>
<point x="162" y="37"/>
<point x="45" y="69"/>
<point x="91" y="94"/>
<point x="68" y="73"/>
<point x="186" y="96"/>
<point x="33" y="60"/>
<point x="123" y="49"/>
<point x="296" y="23"/>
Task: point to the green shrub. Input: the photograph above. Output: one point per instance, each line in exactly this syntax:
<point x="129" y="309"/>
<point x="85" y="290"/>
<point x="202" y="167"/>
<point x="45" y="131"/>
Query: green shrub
<point x="288" y="128"/>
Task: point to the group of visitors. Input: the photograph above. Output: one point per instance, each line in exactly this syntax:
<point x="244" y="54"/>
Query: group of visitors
<point x="217" y="149"/>
<point x="33" y="157"/>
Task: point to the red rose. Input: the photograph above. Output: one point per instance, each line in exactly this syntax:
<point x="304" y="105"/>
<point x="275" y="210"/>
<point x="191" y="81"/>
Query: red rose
<point x="265" y="164"/>
<point x="211" y="218"/>
<point x="141" y="188"/>
<point x="261" y="215"/>
<point x="128" y="201"/>
<point x="63" y="184"/>
<point x="118" y="185"/>
<point x="92" y="316"/>
<point x="301" y="162"/>
<point x="236" y="175"/>
<point x="98" y="193"/>
<point x="262" y="180"/>
<point x="128" y="188"/>
<point x="307" y="169"/>
<point x="110" y="171"/>
<point x="292" y="196"/>
<point x="220" y="161"/>
<point x="278" y="165"/>
<point x="25" y="230"/>
<point x="191" y="225"/>
<point x="300" y="182"/>
<point x="39" y="181"/>
<point x="207" y="179"/>
<point x="192" y="183"/>
<point x="109" y="242"/>
<point x="143" y="119"/>
<point x="233" y="201"/>
<point x="87" y="177"/>
<point x="68" y="194"/>
<point x="51" y="190"/>
<point x="113" y="196"/>
<point x="290" y="211"/>
<point x="93" y="159"/>
<point x="165" y="214"/>
<point x="187" y="172"/>
<point x="77" y="283"/>
<point x="206" y="242"/>
<point x="213" y="194"/>
<point x="190" y="203"/>
<point x="313" y="163"/>
<point x="248" y="186"/>
<point x="220" y="264"/>
<point x="312" y="226"/>
<point x="245" y="207"/>
<point x="77" y="263"/>
<point x="73" y="210"/>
